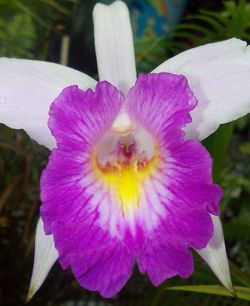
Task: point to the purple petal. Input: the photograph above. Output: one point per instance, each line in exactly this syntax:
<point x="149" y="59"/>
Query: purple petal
<point x="182" y="185"/>
<point x="69" y="208"/>
<point x="98" y="261"/>
<point x="161" y="102"/>
<point x="77" y="120"/>
<point x="164" y="258"/>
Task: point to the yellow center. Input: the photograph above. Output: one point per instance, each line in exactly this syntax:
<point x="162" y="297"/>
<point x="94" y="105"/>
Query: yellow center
<point x="125" y="178"/>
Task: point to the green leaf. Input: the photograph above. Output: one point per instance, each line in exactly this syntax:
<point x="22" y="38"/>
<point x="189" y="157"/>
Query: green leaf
<point x="31" y="13"/>
<point x="218" y="144"/>
<point x="192" y="27"/>
<point x="214" y="23"/>
<point x="242" y="293"/>
<point x="236" y="229"/>
<point x="238" y="275"/>
<point x="17" y="36"/>
<point x="245" y="148"/>
<point x="57" y="6"/>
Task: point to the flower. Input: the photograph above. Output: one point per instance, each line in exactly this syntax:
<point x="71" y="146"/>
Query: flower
<point x="127" y="180"/>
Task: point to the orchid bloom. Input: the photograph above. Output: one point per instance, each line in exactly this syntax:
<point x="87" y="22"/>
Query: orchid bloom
<point x="127" y="180"/>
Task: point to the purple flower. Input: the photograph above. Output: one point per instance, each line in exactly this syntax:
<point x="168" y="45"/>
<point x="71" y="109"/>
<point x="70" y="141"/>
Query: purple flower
<point x="127" y="180"/>
<point x="123" y="186"/>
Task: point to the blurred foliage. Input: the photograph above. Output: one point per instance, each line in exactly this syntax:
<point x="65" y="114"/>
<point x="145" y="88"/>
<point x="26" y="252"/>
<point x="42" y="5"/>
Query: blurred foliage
<point x="210" y="26"/>
<point x="18" y="37"/>
<point x="42" y="11"/>
<point x="27" y="26"/>
<point x="33" y="29"/>
<point x="197" y="29"/>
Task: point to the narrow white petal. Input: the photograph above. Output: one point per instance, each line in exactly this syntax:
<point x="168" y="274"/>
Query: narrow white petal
<point x="219" y="75"/>
<point x="45" y="257"/>
<point x="114" y="45"/>
<point x="215" y="255"/>
<point x="27" y="88"/>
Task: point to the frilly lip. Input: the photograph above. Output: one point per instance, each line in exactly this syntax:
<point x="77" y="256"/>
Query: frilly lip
<point x="169" y="205"/>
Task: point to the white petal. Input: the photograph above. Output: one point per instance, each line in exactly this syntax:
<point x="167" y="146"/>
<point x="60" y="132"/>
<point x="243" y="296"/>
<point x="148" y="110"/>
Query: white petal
<point x="45" y="257"/>
<point x="215" y="255"/>
<point x="219" y="76"/>
<point x="114" y="45"/>
<point x="27" y="88"/>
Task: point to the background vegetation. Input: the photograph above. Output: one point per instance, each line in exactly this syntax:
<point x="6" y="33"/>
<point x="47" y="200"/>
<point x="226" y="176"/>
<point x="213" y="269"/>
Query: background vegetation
<point x="34" y="29"/>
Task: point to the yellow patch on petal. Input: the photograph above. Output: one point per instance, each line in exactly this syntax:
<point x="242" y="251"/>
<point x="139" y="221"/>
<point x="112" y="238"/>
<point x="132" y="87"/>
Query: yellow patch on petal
<point x="125" y="179"/>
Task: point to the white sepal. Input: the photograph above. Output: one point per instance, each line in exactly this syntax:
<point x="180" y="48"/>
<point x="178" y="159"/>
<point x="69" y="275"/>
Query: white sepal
<point x="27" y="89"/>
<point x="215" y="255"/>
<point x="45" y="257"/>
<point x="114" y="45"/>
<point x="219" y="76"/>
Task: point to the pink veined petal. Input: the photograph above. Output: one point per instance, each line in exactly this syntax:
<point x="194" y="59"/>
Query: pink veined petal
<point x="114" y="45"/>
<point x="219" y="76"/>
<point x="78" y="119"/>
<point x="215" y="255"/>
<point x="45" y="257"/>
<point x="27" y="88"/>
<point x="100" y="261"/>
<point x="180" y="194"/>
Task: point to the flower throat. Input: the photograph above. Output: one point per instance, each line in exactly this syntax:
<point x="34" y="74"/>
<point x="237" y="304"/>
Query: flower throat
<point x="124" y="167"/>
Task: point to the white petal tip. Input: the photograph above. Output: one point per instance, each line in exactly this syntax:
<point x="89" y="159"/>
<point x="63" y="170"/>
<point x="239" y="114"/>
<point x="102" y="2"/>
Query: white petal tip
<point x="116" y="4"/>
<point x="215" y="256"/>
<point x="232" y="290"/>
<point x="114" y="45"/>
<point x="45" y="257"/>
<point x="30" y="295"/>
